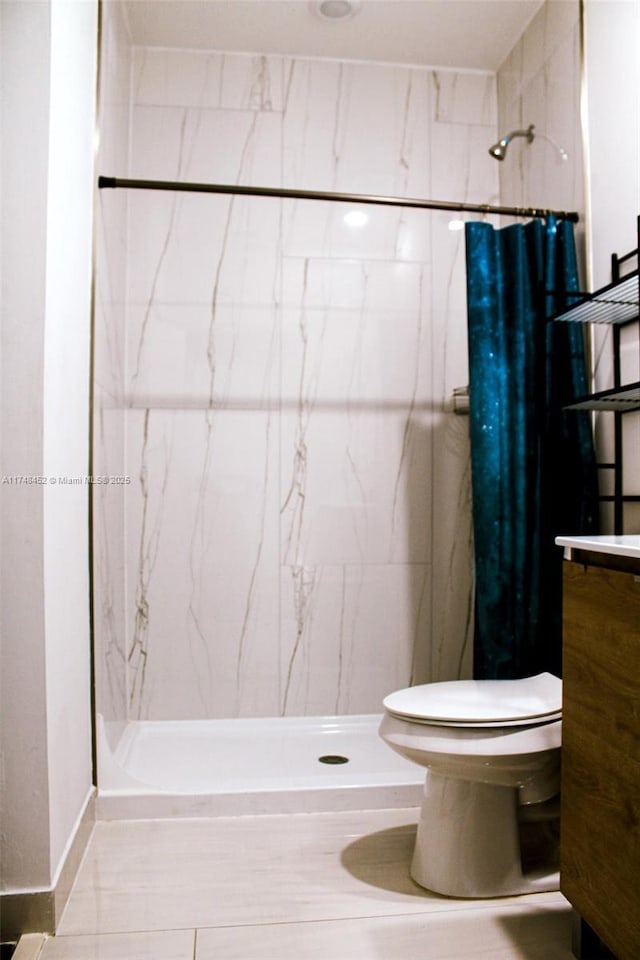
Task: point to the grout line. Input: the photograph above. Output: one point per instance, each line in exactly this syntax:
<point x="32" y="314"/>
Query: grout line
<point x="489" y="906"/>
<point x="552" y="899"/>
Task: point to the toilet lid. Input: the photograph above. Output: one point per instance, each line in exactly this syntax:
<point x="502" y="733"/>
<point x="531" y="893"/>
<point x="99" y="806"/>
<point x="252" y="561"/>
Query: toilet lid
<point x="480" y="702"/>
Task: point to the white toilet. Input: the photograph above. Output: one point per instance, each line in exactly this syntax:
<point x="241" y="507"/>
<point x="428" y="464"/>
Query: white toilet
<point x="490" y="814"/>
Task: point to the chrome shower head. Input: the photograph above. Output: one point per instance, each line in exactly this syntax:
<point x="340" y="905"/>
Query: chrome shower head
<point x="499" y="150"/>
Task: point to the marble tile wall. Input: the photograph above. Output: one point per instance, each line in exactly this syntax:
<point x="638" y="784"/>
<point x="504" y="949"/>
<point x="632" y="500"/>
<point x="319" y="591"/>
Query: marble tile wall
<point x="109" y="419"/>
<point x="298" y="517"/>
<point x="539" y="83"/>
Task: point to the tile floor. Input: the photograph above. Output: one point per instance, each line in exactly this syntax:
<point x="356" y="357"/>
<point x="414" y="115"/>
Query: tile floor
<point x="325" y="886"/>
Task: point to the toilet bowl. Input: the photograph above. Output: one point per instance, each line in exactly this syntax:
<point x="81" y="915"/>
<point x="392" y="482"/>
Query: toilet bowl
<point x="490" y="812"/>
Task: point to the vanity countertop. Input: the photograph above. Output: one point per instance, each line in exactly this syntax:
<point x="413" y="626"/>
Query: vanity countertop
<point x="618" y="546"/>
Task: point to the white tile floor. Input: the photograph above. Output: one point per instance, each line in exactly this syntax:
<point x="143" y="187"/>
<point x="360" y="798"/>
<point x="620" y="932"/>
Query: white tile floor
<point x="329" y="886"/>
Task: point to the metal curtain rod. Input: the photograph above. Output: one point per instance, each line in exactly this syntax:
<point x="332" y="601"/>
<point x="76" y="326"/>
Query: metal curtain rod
<point x="115" y="182"/>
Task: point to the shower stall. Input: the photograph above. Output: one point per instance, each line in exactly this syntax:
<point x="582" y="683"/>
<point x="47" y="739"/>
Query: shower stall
<point x="282" y="524"/>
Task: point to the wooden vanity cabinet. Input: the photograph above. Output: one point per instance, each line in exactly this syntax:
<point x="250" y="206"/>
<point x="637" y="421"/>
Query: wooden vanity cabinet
<point x="600" y="795"/>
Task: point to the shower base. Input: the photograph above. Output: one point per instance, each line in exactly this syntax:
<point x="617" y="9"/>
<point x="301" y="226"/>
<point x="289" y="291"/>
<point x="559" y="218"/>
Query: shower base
<point x="203" y="768"/>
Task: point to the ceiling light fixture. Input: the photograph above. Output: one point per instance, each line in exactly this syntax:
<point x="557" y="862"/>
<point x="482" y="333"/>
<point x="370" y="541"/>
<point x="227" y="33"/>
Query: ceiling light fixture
<point x="335" y="9"/>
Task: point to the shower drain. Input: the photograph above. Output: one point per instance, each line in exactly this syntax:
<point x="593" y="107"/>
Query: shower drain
<point x="333" y="758"/>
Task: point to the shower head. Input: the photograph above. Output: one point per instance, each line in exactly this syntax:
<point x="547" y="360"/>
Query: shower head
<point x="499" y="149"/>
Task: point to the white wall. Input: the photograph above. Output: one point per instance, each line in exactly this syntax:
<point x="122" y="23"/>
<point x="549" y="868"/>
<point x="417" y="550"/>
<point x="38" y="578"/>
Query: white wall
<point x="612" y="40"/>
<point x="612" y="117"/>
<point x="24" y="820"/>
<point x="48" y="94"/>
<point x="66" y="413"/>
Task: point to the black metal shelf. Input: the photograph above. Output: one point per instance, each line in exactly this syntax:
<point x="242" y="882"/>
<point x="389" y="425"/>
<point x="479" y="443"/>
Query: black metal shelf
<point x="615" y="305"/>
<point x="621" y="399"/>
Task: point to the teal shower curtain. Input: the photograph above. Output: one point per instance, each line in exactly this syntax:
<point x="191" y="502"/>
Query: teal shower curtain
<point x="533" y="464"/>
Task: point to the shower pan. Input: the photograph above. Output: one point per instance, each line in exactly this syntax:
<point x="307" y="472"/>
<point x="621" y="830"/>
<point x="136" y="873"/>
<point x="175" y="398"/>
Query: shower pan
<point x="252" y="766"/>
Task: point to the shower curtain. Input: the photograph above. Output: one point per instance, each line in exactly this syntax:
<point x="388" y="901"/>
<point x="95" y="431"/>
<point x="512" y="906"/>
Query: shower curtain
<point x="533" y="464"/>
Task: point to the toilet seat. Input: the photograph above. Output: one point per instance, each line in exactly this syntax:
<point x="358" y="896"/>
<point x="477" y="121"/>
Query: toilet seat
<point x="480" y="703"/>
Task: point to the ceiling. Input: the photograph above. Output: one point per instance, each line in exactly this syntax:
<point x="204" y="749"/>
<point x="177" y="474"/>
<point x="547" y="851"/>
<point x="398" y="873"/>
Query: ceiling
<point x="469" y="34"/>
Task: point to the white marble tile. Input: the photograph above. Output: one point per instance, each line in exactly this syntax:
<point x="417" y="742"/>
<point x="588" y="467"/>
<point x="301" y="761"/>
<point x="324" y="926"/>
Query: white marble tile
<point x="158" y="141"/>
<point x="473" y="177"/>
<point x="546" y="35"/>
<point x="209" y="146"/>
<point x="451" y="538"/>
<point x="109" y="550"/>
<point x="236" y="147"/>
<point x="451" y="634"/>
<point x="163" y="945"/>
<point x="252" y="82"/>
<point x="205" y="250"/>
<point x="356" y="128"/>
<point x="110" y="367"/>
<point x="313" y="88"/>
<point x="356" y="490"/>
<point x="466" y="98"/>
<point x="559" y="129"/>
<point x="110" y="340"/>
<point x="379" y="287"/>
<point x="356" y="332"/>
<point x="176" y="78"/>
<point x="323" y="230"/>
<point x="546" y="177"/>
<point x="335" y="619"/>
<point x="534" y="49"/>
<point x="509" y="82"/>
<point x="562" y="18"/>
<point x="116" y="65"/>
<point x="194" y="355"/>
<point x="513" y="933"/>
<point x="206" y="79"/>
<point x="363" y="130"/>
<point x="159" y="875"/>
<point x="448" y="308"/>
<point x="202" y="523"/>
<point x="382" y="118"/>
<point x="356" y="450"/>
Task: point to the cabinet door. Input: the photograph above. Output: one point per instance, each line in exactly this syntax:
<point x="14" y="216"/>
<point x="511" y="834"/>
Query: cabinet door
<point x="600" y="826"/>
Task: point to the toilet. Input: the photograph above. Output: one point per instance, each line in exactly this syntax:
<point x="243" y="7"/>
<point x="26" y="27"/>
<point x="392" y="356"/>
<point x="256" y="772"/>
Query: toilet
<point x="489" y="821"/>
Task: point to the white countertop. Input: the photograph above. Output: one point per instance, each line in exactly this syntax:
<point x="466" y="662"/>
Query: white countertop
<point x="621" y="546"/>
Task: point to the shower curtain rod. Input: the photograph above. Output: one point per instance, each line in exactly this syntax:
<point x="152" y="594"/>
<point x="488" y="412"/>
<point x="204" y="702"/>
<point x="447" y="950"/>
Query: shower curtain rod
<point x="117" y="182"/>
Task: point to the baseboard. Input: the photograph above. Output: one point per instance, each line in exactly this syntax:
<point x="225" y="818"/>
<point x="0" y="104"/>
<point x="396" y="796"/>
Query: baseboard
<point x="39" y="911"/>
<point x="30" y="946"/>
<point x="73" y="859"/>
